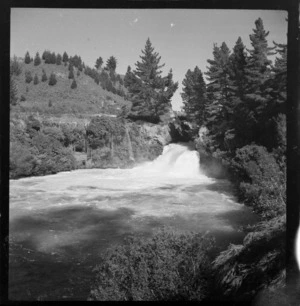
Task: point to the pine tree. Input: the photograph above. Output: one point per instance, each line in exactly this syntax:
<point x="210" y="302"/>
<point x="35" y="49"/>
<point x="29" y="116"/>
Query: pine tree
<point x="111" y="63"/>
<point x="74" y="84"/>
<point x="37" y="59"/>
<point x="58" y="59"/>
<point x="44" y="76"/>
<point x="149" y="92"/>
<point x="71" y="74"/>
<point x="99" y="62"/>
<point x="52" y="79"/>
<point x="28" y="77"/>
<point x="194" y="96"/>
<point x="65" y="57"/>
<point x="53" y="58"/>
<point x="27" y="59"/>
<point x="35" y="80"/>
<point x="13" y="90"/>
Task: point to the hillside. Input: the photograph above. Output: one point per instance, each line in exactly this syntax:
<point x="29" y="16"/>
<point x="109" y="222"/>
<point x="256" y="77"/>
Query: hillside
<point x="60" y="100"/>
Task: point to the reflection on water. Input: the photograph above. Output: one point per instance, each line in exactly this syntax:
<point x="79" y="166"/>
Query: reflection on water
<point x="60" y="224"/>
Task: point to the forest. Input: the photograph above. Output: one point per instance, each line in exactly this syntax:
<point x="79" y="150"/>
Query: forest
<point x="236" y="119"/>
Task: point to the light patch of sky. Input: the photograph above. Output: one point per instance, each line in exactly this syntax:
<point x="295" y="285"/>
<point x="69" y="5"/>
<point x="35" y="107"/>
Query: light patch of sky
<point x="184" y="38"/>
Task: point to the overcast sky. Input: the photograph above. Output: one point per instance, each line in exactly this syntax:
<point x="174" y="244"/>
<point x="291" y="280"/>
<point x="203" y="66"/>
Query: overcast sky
<point x="184" y="38"/>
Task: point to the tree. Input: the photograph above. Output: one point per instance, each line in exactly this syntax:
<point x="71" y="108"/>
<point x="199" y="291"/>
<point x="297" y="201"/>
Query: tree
<point x="44" y="76"/>
<point x="27" y="59"/>
<point x="111" y="63"/>
<point x="65" y="57"/>
<point x="28" y="77"/>
<point x="194" y="96"/>
<point x="15" y="67"/>
<point x="149" y="92"/>
<point x="99" y="62"/>
<point x="52" y="79"/>
<point x="13" y="90"/>
<point x="35" y="80"/>
<point x="58" y="59"/>
<point x="71" y="74"/>
<point x="53" y="58"/>
<point x="74" y="84"/>
<point x="37" y="59"/>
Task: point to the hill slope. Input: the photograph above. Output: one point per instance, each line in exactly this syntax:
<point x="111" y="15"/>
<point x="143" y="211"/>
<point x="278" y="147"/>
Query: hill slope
<point x="85" y="100"/>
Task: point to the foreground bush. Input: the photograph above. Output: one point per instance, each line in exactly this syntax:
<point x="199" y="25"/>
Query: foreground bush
<point x="262" y="182"/>
<point x="243" y="270"/>
<point x="167" y="266"/>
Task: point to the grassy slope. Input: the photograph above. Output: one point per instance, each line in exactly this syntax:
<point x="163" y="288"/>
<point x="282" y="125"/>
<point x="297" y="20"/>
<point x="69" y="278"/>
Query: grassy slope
<point x="87" y="99"/>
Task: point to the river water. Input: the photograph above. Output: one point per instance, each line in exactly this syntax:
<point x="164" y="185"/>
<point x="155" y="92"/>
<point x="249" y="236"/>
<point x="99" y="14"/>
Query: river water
<point x="59" y="224"/>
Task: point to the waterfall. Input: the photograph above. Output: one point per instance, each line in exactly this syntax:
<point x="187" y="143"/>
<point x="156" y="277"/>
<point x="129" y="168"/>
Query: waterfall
<point x="131" y="157"/>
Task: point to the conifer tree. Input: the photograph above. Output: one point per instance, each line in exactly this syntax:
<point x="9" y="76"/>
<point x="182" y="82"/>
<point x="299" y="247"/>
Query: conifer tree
<point x="52" y="79"/>
<point x="35" y="80"/>
<point x="65" y="57"/>
<point x="99" y="62"/>
<point x="13" y="90"/>
<point x="58" y="59"/>
<point x="28" y="77"/>
<point x="27" y="59"/>
<point x="149" y="92"/>
<point x="74" y="84"/>
<point x="194" y="96"/>
<point x="53" y="58"/>
<point x="111" y="63"/>
<point x="71" y="74"/>
<point x="44" y="76"/>
<point x="37" y="59"/>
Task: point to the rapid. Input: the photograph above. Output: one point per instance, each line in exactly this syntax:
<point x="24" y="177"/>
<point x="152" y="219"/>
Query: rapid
<point x="59" y="224"/>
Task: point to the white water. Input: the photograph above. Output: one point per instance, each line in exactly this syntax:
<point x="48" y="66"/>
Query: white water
<point x="78" y="214"/>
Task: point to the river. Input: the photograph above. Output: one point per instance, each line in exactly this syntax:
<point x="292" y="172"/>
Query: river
<point x="59" y="224"/>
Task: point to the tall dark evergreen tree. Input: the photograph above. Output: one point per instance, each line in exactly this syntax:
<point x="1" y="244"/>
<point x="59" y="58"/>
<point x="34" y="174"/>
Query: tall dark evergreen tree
<point x="111" y="63"/>
<point x="194" y="96"/>
<point x="99" y="62"/>
<point x="35" y="79"/>
<point x="27" y="59"/>
<point x="149" y="92"/>
<point x="37" y="59"/>
<point x="74" y="84"/>
<point x="44" y="76"/>
<point x="58" y="59"/>
<point x="65" y="57"/>
<point x="52" y="79"/>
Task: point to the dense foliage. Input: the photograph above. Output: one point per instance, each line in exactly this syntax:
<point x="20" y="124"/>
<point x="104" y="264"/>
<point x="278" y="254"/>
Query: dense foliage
<point x="149" y="92"/>
<point x="167" y="266"/>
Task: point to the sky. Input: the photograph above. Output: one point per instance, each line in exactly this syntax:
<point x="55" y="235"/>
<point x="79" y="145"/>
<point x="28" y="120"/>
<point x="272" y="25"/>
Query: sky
<point x="183" y="38"/>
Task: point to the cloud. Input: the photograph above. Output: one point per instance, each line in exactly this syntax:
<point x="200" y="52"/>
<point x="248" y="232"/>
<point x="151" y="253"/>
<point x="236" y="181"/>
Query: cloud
<point x="172" y="25"/>
<point x="135" y="20"/>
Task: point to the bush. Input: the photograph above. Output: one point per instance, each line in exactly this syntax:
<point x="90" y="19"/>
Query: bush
<point x="167" y="266"/>
<point x="15" y="67"/>
<point x="262" y="183"/>
<point x="243" y="270"/>
<point x="22" y="98"/>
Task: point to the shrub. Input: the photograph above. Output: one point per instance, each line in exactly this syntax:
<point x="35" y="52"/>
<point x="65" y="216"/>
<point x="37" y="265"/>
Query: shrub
<point x="22" y="98"/>
<point x="262" y="183"/>
<point x="166" y="266"/>
<point x="71" y="74"/>
<point x="50" y="103"/>
<point x="52" y="79"/>
<point x="28" y="77"/>
<point x="58" y="59"/>
<point x="243" y="270"/>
